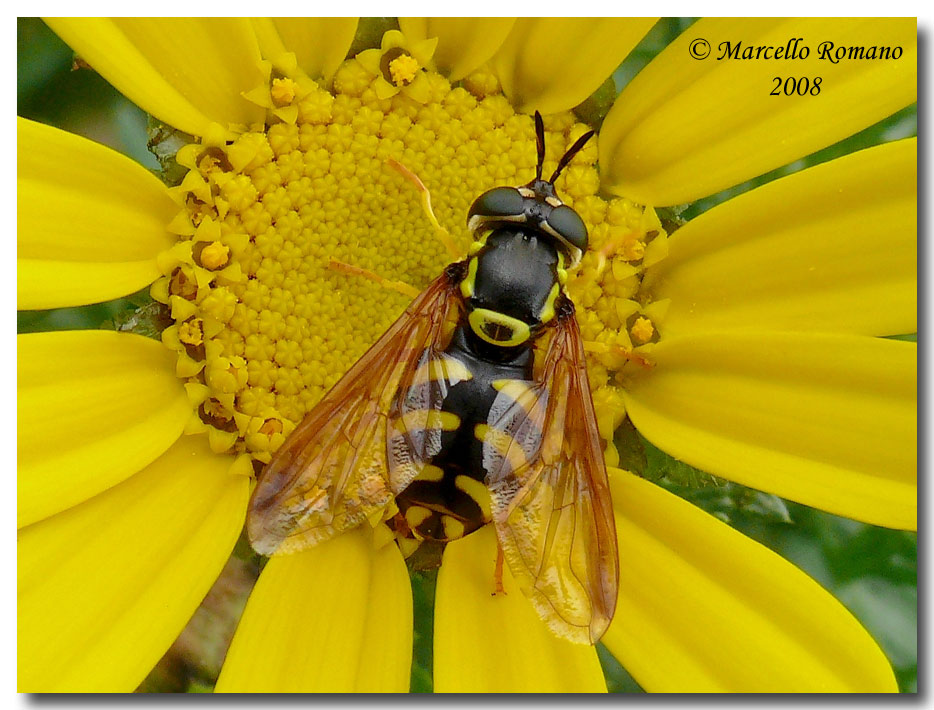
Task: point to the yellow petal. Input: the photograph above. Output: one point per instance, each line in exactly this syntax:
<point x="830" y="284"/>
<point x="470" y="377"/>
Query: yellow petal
<point x="94" y="407"/>
<point x="319" y="43"/>
<point x="90" y="221"/>
<point x="48" y="283"/>
<point x="419" y="90"/>
<point x="464" y="43"/>
<point x="336" y="618"/>
<point x="685" y="128"/>
<point x="104" y="588"/>
<point x="832" y="248"/>
<point x="384" y="89"/>
<point x="392" y="39"/>
<point x="498" y="644"/>
<point x="187" y="72"/>
<point x="703" y="608"/>
<point x="424" y="50"/>
<point x="826" y="420"/>
<point x="369" y="59"/>
<point x="554" y="63"/>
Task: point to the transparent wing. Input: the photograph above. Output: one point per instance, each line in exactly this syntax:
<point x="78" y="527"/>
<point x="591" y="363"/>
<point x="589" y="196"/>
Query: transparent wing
<point x="416" y="422"/>
<point x="550" y="498"/>
<point x="335" y="469"/>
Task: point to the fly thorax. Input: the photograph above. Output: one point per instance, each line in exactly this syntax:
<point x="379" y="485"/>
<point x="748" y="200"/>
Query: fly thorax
<point x="510" y="287"/>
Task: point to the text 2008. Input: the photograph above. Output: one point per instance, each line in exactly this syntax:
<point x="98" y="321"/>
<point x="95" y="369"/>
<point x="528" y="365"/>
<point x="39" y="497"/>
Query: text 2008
<point x="800" y="86"/>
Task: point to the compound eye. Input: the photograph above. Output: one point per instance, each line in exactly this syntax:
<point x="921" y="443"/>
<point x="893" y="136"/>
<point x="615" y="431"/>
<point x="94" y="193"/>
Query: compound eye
<point x="566" y="222"/>
<point x="498" y="202"/>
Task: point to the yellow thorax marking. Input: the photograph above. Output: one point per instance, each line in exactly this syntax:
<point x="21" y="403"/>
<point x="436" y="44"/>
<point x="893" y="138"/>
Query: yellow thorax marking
<point x="483" y="320"/>
<point x="562" y="273"/>
<point x="467" y="285"/>
<point x="477" y="245"/>
<point x="548" y="310"/>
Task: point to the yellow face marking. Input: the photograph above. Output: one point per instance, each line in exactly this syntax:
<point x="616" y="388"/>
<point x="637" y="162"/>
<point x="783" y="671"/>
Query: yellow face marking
<point x="444" y="368"/>
<point x="503" y="444"/>
<point x="467" y="285"/>
<point x="453" y="528"/>
<point x="553" y="201"/>
<point x="430" y="473"/>
<point x="426" y="419"/>
<point x="478" y="220"/>
<point x="477" y="491"/>
<point x="489" y="325"/>
<point x="416" y="515"/>
<point x="548" y="310"/>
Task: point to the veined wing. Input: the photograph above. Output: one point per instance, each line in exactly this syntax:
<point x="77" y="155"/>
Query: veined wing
<point x="333" y="471"/>
<point x="550" y="498"/>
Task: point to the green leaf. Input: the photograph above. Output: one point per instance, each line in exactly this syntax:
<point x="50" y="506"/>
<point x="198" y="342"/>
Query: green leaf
<point x="723" y="499"/>
<point x="890" y="613"/>
<point x="662" y="468"/>
<point x="370" y="33"/>
<point x="164" y="142"/>
<point x="595" y="107"/>
<point x="618" y="679"/>
<point x="148" y="319"/>
<point x="423" y="599"/>
<point x="631" y="451"/>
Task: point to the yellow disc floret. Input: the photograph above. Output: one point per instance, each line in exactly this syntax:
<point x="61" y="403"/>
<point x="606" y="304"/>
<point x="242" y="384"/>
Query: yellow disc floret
<point x="214" y="255"/>
<point x="265" y="322"/>
<point x="282" y="91"/>
<point x="191" y="332"/>
<point x="642" y="330"/>
<point x="403" y="69"/>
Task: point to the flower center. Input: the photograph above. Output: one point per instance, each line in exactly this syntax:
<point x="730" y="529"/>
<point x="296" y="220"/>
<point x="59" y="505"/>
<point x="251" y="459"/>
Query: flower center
<point x="401" y="68"/>
<point x="264" y="326"/>
<point x="283" y="91"/>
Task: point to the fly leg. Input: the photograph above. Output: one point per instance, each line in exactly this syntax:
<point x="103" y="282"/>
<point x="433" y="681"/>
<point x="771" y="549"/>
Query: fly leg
<point x="350" y="270"/>
<point x="498" y="572"/>
<point x="440" y="232"/>
<point x="401" y="525"/>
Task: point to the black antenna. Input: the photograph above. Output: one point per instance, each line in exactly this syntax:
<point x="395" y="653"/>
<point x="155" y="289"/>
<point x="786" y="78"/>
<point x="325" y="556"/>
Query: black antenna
<point x="572" y="151"/>
<point x="540" y="144"/>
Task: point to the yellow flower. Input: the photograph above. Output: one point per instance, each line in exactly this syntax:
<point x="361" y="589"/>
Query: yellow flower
<point x="398" y="66"/>
<point x="760" y="317"/>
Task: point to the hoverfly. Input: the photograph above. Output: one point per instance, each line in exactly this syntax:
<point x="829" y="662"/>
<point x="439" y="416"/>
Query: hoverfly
<point x="451" y="414"/>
